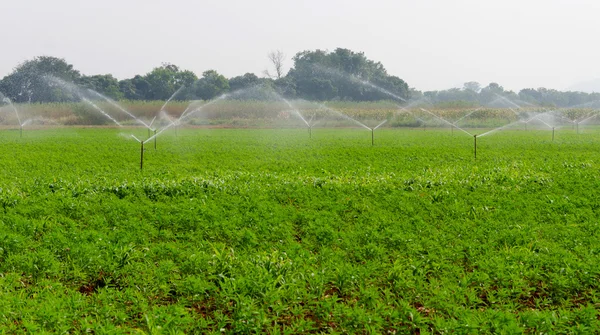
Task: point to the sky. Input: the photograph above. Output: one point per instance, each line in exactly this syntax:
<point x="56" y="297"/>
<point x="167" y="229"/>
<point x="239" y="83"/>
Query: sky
<point x="431" y="44"/>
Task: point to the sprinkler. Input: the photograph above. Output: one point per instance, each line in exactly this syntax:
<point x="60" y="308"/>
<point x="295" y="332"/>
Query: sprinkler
<point x="21" y="131"/>
<point x="310" y="124"/>
<point x="373" y="131"/>
<point x="141" y="152"/>
<point x="552" y="134"/>
<point x="475" y="145"/>
<point x="141" y="155"/>
<point x="155" y="139"/>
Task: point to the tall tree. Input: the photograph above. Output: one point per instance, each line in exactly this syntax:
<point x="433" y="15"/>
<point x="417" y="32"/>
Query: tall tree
<point x="104" y="84"/>
<point x="211" y="85"/>
<point x="472" y="86"/>
<point x="344" y="74"/>
<point x="136" y="88"/>
<point x="276" y="58"/>
<point x="239" y="82"/>
<point x="165" y="80"/>
<point x="29" y="80"/>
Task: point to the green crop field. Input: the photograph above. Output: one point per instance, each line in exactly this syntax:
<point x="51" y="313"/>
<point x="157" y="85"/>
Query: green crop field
<point x="270" y="231"/>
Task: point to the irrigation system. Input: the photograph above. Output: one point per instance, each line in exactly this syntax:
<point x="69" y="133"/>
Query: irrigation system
<point x="466" y="122"/>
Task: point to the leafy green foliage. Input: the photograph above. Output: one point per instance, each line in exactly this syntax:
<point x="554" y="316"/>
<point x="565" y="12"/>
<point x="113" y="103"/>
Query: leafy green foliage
<point x="322" y="75"/>
<point x="256" y="231"/>
<point x="211" y="85"/>
<point x="105" y="84"/>
<point x="27" y="81"/>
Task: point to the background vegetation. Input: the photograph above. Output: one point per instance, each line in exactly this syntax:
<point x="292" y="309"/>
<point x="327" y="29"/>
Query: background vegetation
<point x="314" y="75"/>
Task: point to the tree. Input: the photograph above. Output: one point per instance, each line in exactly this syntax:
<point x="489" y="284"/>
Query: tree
<point x="286" y="86"/>
<point x="211" y="85"/>
<point x="490" y="93"/>
<point x="165" y="80"/>
<point x="104" y="84"/>
<point x="276" y="58"/>
<point x="136" y="88"/>
<point x="344" y="74"/>
<point x="245" y="81"/>
<point x="29" y="80"/>
<point x="472" y="86"/>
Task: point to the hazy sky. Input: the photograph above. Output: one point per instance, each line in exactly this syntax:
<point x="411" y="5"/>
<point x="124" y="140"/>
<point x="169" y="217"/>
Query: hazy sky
<point x="432" y="44"/>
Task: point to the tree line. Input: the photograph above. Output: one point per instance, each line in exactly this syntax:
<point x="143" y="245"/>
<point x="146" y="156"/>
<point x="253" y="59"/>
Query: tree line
<point x="321" y="75"/>
<point x="473" y="94"/>
<point x="314" y="75"/>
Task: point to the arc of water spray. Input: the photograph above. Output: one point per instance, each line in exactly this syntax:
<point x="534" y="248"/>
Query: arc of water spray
<point x="119" y="107"/>
<point x="181" y="118"/>
<point x="537" y="117"/>
<point x="381" y="124"/>
<point x="507" y="100"/>
<point x="77" y="91"/>
<point x="411" y="113"/>
<point x="88" y="101"/>
<point x="151" y="122"/>
<point x="14" y="108"/>
<point x="344" y="116"/>
<point x="358" y="80"/>
<point x="166" y="116"/>
<point x="545" y="123"/>
<point x="467" y="115"/>
<point x="510" y="102"/>
<point x="588" y="118"/>
<point x="187" y="109"/>
<point x="500" y="128"/>
<point x="513" y="123"/>
<point x="294" y="110"/>
<point x="171" y="98"/>
<point x="446" y="121"/>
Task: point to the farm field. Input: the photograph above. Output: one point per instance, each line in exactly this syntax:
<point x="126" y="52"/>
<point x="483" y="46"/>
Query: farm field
<point x="270" y="231"/>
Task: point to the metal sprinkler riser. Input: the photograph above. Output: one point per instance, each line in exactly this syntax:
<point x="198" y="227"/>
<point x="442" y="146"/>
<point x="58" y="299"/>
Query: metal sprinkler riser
<point x="141" y="155"/>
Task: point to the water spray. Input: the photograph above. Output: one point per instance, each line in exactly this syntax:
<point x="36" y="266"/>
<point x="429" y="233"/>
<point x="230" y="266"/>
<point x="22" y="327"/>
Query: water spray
<point x="119" y="107"/>
<point x="169" y="100"/>
<point x="297" y="113"/>
<point x="187" y="115"/>
<point x="446" y="121"/>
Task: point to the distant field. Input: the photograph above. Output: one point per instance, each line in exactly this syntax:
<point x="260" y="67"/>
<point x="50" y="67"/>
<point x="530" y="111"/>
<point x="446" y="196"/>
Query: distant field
<point x="268" y="231"/>
<point x="278" y="114"/>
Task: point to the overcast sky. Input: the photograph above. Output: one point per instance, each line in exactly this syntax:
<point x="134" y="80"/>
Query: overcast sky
<point x="431" y="44"/>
